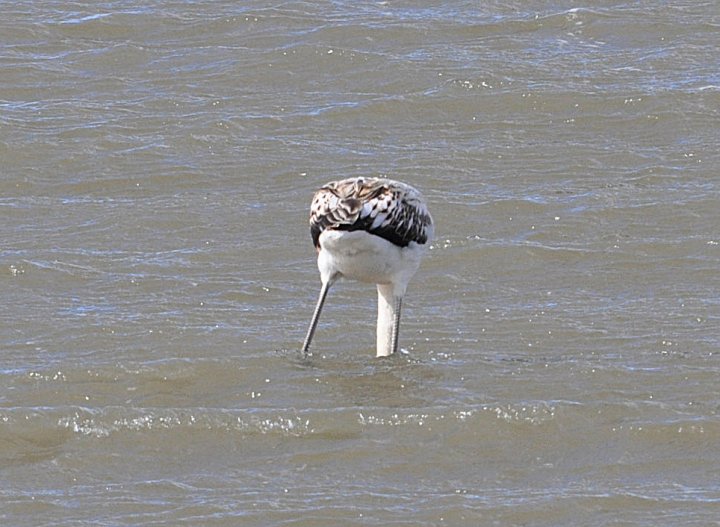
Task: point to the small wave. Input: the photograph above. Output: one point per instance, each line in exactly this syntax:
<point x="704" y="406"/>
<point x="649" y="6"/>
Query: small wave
<point x="82" y="19"/>
<point x="529" y="413"/>
<point x="117" y="420"/>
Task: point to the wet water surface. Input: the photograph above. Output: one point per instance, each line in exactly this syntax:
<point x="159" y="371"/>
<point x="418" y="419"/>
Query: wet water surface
<point x="560" y="339"/>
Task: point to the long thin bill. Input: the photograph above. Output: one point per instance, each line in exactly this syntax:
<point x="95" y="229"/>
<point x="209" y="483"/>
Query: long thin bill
<point x="316" y="316"/>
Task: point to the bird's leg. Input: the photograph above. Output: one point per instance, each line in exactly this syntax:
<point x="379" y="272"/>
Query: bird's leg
<point x="316" y="315"/>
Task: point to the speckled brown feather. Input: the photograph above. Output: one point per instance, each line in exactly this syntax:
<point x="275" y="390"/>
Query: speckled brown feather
<point x="389" y="209"/>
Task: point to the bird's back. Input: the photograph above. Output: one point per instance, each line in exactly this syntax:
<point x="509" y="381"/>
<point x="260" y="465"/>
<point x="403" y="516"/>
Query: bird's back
<point x="389" y="209"/>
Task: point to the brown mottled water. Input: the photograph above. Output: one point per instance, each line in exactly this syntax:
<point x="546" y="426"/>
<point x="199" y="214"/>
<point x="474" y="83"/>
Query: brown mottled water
<point x="562" y="337"/>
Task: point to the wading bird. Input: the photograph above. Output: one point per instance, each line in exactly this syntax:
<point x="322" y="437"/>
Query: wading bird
<point x="373" y="230"/>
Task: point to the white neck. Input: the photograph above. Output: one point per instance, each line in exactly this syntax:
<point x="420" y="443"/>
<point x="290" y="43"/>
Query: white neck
<point x="388" y="304"/>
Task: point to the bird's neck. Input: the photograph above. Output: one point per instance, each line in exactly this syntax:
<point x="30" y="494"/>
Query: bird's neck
<point x="387" y="317"/>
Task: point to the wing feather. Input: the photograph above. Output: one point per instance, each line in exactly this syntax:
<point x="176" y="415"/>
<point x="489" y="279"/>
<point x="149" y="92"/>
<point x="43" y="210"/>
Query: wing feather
<point x="388" y="209"/>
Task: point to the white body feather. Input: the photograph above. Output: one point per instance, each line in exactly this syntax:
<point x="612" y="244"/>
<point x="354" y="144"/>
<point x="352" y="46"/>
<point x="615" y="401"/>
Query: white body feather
<point x="371" y="230"/>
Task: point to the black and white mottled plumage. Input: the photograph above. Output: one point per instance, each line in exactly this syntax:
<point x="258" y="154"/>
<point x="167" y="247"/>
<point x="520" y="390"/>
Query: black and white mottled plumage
<point x="372" y="230"/>
<point x="389" y="209"/>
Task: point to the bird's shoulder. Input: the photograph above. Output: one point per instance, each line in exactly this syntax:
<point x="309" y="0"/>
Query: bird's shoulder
<point x="390" y="209"/>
